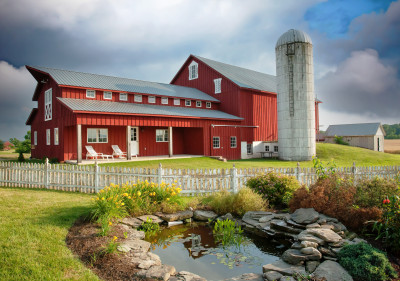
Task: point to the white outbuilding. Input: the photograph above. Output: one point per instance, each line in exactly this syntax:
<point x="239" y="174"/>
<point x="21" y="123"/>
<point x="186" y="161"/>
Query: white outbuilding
<point x="366" y="135"/>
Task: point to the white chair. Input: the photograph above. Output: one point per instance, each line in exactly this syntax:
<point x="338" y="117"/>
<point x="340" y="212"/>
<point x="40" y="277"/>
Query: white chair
<point x="118" y="152"/>
<point x="92" y="153"/>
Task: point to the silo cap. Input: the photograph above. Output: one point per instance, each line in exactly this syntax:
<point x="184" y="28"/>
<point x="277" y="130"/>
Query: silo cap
<point x="292" y="36"/>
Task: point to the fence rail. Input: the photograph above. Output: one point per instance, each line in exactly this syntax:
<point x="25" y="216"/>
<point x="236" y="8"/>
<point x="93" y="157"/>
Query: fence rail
<point x="90" y="179"/>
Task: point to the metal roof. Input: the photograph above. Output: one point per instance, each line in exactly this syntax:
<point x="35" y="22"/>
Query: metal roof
<point x="292" y="36"/>
<point x="134" y="108"/>
<point x="243" y="77"/>
<point x="88" y="80"/>
<point x="361" y="129"/>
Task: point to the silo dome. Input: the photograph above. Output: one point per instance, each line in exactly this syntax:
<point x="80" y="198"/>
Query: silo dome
<point x="293" y="36"/>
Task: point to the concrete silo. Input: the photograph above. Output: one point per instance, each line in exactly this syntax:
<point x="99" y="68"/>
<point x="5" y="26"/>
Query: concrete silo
<point x="296" y="100"/>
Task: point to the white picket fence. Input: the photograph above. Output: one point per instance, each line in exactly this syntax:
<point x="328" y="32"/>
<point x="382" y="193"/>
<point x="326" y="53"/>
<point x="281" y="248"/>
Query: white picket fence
<point x="91" y="179"/>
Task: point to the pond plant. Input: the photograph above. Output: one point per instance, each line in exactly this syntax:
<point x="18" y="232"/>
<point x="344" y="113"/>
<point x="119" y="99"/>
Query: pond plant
<point x="228" y="233"/>
<point x="149" y="227"/>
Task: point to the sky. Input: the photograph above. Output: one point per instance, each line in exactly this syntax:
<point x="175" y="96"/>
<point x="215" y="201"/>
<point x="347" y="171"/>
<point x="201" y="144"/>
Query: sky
<point x="356" y="47"/>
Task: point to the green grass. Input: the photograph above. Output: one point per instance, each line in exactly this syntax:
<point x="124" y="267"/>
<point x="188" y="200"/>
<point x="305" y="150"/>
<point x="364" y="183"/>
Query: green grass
<point x="342" y="155"/>
<point x="11" y="155"/>
<point x="33" y="227"/>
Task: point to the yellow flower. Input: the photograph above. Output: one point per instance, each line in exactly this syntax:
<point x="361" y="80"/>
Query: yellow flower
<point x="109" y="223"/>
<point x="173" y="193"/>
<point x="129" y="197"/>
<point x="115" y="238"/>
<point x="175" y="181"/>
<point x="125" y="194"/>
<point x="167" y="199"/>
<point x="122" y="204"/>
<point x="139" y="193"/>
<point x="102" y="198"/>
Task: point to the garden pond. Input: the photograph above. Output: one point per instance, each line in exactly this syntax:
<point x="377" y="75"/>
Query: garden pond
<point x="193" y="247"/>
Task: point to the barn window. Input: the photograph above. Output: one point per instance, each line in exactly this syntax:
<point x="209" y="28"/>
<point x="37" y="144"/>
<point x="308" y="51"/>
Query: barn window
<point x="249" y="148"/>
<point x="107" y="95"/>
<point x="123" y="96"/>
<point x="35" y="138"/>
<point x="97" y="135"/>
<point x="48" y="105"/>
<point x="208" y="104"/>
<point x="267" y="148"/>
<point x="48" y="136"/>
<point x="275" y="148"/>
<point x="161" y="135"/>
<point x="152" y="99"/>
<point x="198" y="103"/>
<point x="216" y="143"/>
<point x="138" y="98"/>
<point x="188" y="102"/>
<point x="193" y="70"/>
<point x="233" y="142"/>
<point x="217" y="84"/>
<point x="164" y="100"/>
<point x="91" y="94"/>
<point x="177" y="102"/>
<point x="55" y="136"/>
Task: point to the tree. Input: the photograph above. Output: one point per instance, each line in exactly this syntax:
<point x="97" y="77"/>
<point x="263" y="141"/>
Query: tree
<point x="15" y="142"/>
<point x="1" y="145"/>
<point x="22" y="146"/>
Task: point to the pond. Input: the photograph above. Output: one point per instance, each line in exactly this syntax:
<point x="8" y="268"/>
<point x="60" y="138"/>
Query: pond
<point x="192" y="247"/>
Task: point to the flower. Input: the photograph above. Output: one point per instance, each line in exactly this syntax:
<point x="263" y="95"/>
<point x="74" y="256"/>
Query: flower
<point x="139" y="193"/>
<point x="109" y="223"/>
<point x="386" y="201"/>
<point x="167" y="199"/>
<point x="115" y="238"/>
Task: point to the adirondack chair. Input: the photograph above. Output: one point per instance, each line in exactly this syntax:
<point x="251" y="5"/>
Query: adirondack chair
<point x="92" y="153"/>
<point x="118" y="152"/>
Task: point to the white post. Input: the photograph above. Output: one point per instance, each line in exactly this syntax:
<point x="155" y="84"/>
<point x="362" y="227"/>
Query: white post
<point x="46" y="173"/>
<point x="354" y="171"/>
<point x="159" y="174"/>
<point x="79" y="143"/>
<point x="298" y="170"/>
<point x="128" y="143"/>
<point x="234" y="180"/>
<point x="96" y="177"/>
<point x="170" y="144"/>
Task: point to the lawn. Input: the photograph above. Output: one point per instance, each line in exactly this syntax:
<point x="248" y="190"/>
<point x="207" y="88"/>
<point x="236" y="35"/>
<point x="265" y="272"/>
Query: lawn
<point x="33" y="227"/>
<point x="11" y="155"/>
<point x="342" y="155"/>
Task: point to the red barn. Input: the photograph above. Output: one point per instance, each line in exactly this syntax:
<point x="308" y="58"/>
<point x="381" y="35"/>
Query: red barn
<point x="209" y="108"/>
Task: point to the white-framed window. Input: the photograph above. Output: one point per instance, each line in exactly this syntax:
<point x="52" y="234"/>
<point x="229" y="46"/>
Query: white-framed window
<point x="216" y="142"/>
<point x="275" y="148"/>
<point x="151" y="99"/>
<point x="233" y="142"/>
<point x="107" y="95"/>
<point x="137" y="98"/>
<point x="217" y="84"/>
<point x="48" y="104"/>
<point x="162" y="135"/>
<point x="208" y="104"/>
<point x="90" y="94"/>
<point x="193" y="70"/>
<point x="96" y="135"/>
<point x="35" y="138"/>
<point x="164" y="100"/>
<point x="48" y="140"/>
<point x="55" y="136"/>
<point x="188" y="102"/>
<point x="266" y="147"/>
<point x="249" y="148"/>
<point x="177" y="101"/>
<point x="198" y="103"/>
<point x="123" y="96"/>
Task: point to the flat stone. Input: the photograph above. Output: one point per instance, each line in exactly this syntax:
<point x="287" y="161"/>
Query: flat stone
<point x="177" y="216"/>
<point x="172" y="223"/>
<point x="336" y="250"/>
<point x="226" y="216"/>
<point x="311" y="266"/>
<point x="145" y="260"/>
<point x="293" y="256"/>
<point x="351" y="235"/>
<point x="327" y="219"/>
<point x="325" y="234"/>
<point x="295" y="224"/>
<point x="186" y="276"/>
<point x="327" y="226"/>
<point x="266" y="218"/>
<point x="283" y="216"/>
<point x="332" y="271"/>
<point x="340" y="244"/>
<point x="272" y="276"/>
<point x="162" y="272"/>
<point x="135" y="245"/>
<point x="247" y="276"/>
<point x="297" y="245"/>
<point x="330" y="258"/>
<point x="313" y="225"/>
<point x="327" y="252"/>
<point x="132" y="233"/>
<point x="311" y="251"/>
<point x="306" y="236"/>
<point x="305" y="216"/>
<point x="283" y="268"/>
<point x="201" y="215"/>
<point x="287" y="278"/>
<point x="282" y="226"/>
<point x="252" y="217"/>
<point x="306" y="244"/>
<point x="337" y="226"/>
<point x="358" y="240"/>
<point x="132" y="222"/>
<point x="153" y="218"/>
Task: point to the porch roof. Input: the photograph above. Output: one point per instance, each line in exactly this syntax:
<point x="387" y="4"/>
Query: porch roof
<point x="81" y="105"/>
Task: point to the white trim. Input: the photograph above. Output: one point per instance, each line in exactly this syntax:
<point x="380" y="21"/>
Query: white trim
<point x="249" y="145"/>
<point x="208" y="104"/>
<point x="193" y="70"/>
<point x="48" y="137"/>
<point x="137" y="98"/>
<point x="56" y="137"/>
<point x="188" y="102"/>
<point x="35" y="138"/>
<point x="276" y="148"/>
<point x="266" y="148"/>
<point x="215" y="140"/>
<point x="97" y="135"/>
<point x="198" y="103"/>
<point x="177" y="101"/>
<point x="162" y="133"/>
<point x="90" y="94"/>
<point x="48" y="104"/>
<point x="164" y="100"/>
<point x="107" y="95"/>
<point x="217" y="85"/>
<point x="151" y="99"/>
<point x="235" y="140"/>
<point x="122" y="95"/>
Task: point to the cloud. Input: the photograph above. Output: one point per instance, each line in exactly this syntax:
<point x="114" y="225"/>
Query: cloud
<point x="363" y="85"/>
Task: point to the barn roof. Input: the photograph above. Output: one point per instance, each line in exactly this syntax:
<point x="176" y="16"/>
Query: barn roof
<point x="361" y="129"/>
<point x="143" y="109"/>
<point x="243" y="77"/>
<point x="96" y="81"/>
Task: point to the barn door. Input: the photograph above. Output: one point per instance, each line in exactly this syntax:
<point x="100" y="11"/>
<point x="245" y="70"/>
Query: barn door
<point x="134" y="141"/>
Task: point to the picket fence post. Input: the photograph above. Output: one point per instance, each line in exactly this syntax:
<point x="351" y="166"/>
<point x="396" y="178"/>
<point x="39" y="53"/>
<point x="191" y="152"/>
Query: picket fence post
<point x="354" y="172"/>
<point x="159" y="174"/>
<point x="96" y="177"/>
<point x="46" y="173"/>
<point x="234" y="179"/>
<point x="297" y="172"/>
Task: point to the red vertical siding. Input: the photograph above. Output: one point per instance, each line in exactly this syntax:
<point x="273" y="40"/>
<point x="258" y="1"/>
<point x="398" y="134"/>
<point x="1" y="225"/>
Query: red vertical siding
<point x="193" y="141"/>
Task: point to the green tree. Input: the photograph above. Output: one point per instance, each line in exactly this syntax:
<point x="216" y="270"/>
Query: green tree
<point x="1" y="145"/>
<point x="22" y="146"/>
<point x="16" y="142"/>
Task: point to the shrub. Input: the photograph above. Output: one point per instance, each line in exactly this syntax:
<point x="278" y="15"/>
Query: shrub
<point x="370" y="193"/>
<point x="111" y="246"/>
<point x="339" y="140"/>
<point x="275" y="188"/>
<point x="21" y="157"/>
<point x="364" y="262"/>
<point x="237" y="204"/>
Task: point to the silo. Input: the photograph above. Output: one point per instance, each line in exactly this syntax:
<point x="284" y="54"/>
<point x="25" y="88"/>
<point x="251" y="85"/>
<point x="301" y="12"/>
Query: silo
<point x="296" y="100"/>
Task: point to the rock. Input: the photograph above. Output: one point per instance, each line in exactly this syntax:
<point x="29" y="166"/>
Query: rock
<point x="330" y="258"/>
<point x="305" y="216"/>
<point x="326" y="252"/>
<point x="247" y="276"/>
<point x="186" y="276"/>
<point x="297" y="245"/>
<point x="287" y="278"/>
<point x="337" y="226"/>
<point x="132" y="233"/>
<point x="204" y="215"/>
<point x="339" y="244"/>
<point x="162" y="272"/>
<point x="132" y="222"/>
<point x="325" y="234"/>
<point x="358" y="240"/>
<point x="351" y="235"/>
<point x="283" y="268"/>
<point x="311" y="266"/>
<point x="172" y="223"/>
<point x="293" y="256"/>
<point x="145" y="260"/>
<point x="321" y="221"/>
<point x="311" y="251"/>
<point x="135" y="245"/>
<point x="296" y="225"/>
<point x="306" y="244"/>
<point x="282" y="226"/>
<point x="177" y="216"/>
<point x="266" y="218"/>
<point x="332" y="271"/>
<point x="153" y="218"/>
<point x="282" y="216"/>
<point x="327" y="219"/>
<point x="306" y="236"/>
<point x="272" y="276"/>
<point x="226" y="216"/>
<point x="252" y="217"/>
<point x="313" y="225"/>
<point x="336" y="250"/>
<point x="327" y="226"/>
